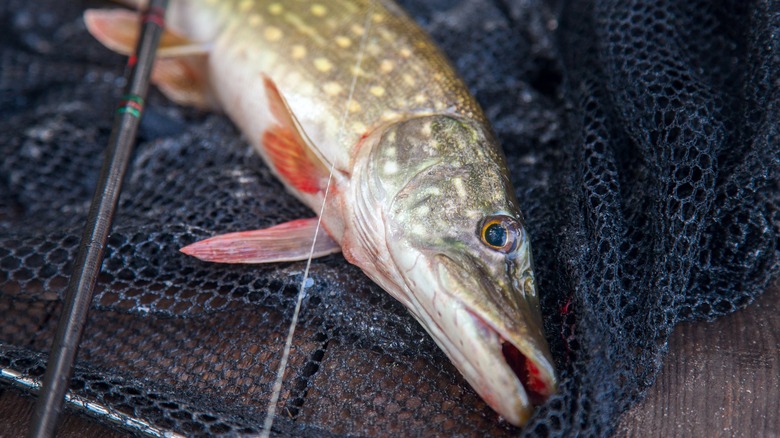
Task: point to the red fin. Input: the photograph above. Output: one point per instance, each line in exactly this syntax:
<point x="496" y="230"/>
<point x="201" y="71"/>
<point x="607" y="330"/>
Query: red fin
<point x="116" y="29"/>
<point x="135" y="4"/>
<point x="181" y="65"/>
<point x="288" y="147"/>
<point x="184" y="80"/>
<point x="287" y="242"/>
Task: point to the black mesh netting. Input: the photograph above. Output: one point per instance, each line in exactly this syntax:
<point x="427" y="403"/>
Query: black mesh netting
<point x="642" y="137"/>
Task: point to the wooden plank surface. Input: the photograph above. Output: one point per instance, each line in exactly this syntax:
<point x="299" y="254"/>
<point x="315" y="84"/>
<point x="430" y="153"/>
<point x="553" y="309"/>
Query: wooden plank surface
<point x="719" y="379"/>
<point x="17" y="409"/>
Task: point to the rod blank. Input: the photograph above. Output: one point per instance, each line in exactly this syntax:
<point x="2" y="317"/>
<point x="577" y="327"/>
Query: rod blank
<point x="86" y="267"/>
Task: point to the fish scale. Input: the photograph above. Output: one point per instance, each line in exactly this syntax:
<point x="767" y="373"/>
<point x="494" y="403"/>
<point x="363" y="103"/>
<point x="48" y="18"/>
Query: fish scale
<point x="402" y="72"/>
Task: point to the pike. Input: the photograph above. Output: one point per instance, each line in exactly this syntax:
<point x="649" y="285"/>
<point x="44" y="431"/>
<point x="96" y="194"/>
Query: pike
<point x="419" y="197"/>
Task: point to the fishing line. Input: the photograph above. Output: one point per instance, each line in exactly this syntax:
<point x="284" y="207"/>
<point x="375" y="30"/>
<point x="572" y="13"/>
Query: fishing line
<point x="277" y="388"/>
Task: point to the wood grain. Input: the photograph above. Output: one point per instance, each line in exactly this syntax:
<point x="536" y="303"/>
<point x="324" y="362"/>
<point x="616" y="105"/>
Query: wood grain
<point x="16" y="410"/>
<point x="719" y="379"/>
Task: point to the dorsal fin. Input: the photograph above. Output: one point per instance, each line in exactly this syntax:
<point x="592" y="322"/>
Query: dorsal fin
<point x="288" y="148"/>
<point x="180" y="70"/>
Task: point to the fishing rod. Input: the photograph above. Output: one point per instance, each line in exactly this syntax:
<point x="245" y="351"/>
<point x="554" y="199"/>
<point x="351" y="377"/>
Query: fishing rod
<point x="86" y="267"/>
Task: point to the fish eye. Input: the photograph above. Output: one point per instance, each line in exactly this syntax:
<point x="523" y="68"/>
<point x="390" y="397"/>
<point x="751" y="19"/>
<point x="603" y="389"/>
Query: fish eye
<point x="500" y="233"/>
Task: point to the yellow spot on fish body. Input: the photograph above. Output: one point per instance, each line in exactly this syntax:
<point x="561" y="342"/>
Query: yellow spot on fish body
<point x="255" y="20"/>
<point x="386" y="34"/>
<point x="275" y="8"/>
<point x="420" y="98"/>
<point x="386" y="66"/>
<point x="245" y="5"/>
<point x="378" y="18"/>
<point x="318" y="10"/>
<point x="409" y="79"/>
<point x="298" y="51"/>
<point x="458" y="183"/>
<point x="433" y="191"/>
<point x="405" y="52"/>
<point x="359" y="128"/>
<point x="332" y="88"/>
<point x="354" y="106"/>
<point x="374" y="49"/>
<point x="390" y="167"/>
<point x="272" y="34"/>
<point x="377" y="91"/>
<point x="343" y="41"/>
<point x="357" y="29"/>
<point x="302" y="27"/>
<point x="323" y="65"/>
<point x="426" y="131"/>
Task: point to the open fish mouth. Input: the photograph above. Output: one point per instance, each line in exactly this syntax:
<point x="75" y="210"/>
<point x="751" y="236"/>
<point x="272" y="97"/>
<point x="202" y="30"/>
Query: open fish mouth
<point x="490" y="331"/>
<point x="530" y="376"/>
<point x="532" y="369"/>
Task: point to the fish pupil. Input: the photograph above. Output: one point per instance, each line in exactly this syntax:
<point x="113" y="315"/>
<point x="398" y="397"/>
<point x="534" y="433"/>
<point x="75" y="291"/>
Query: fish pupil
<point x="495" y="235"/>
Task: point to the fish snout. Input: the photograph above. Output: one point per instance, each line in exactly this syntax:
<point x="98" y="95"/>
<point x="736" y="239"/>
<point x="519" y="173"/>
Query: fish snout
<point x="494" y="337"/>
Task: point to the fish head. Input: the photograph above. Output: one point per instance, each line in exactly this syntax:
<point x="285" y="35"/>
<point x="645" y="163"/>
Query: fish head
<point x="452" y="247"/>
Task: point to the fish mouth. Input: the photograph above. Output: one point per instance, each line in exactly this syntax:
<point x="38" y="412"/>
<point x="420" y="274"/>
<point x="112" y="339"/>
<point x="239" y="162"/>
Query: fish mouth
<point x="535" y="376"/>
<point x="489" y="328"/>
<point x="492" y="333"/>
<point x="527" y="372"/>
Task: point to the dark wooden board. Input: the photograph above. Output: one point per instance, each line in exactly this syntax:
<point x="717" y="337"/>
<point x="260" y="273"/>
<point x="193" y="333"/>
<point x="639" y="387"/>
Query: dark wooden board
<point x="16" y="410"/>
<point x="719" y="379"/>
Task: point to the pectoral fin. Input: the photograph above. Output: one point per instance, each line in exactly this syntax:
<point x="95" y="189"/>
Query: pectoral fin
<point x="290" y="151"/>
<point x="287" y="242"/>
<point x="180" y="70"/>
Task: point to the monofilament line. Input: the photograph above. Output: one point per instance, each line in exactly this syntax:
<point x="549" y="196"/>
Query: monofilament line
<point x="277" y="388"/>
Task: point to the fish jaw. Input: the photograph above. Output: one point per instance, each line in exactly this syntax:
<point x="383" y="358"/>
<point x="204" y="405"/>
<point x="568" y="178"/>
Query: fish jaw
<point x="497" y="345"/>
<point x="499" y="349"/>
